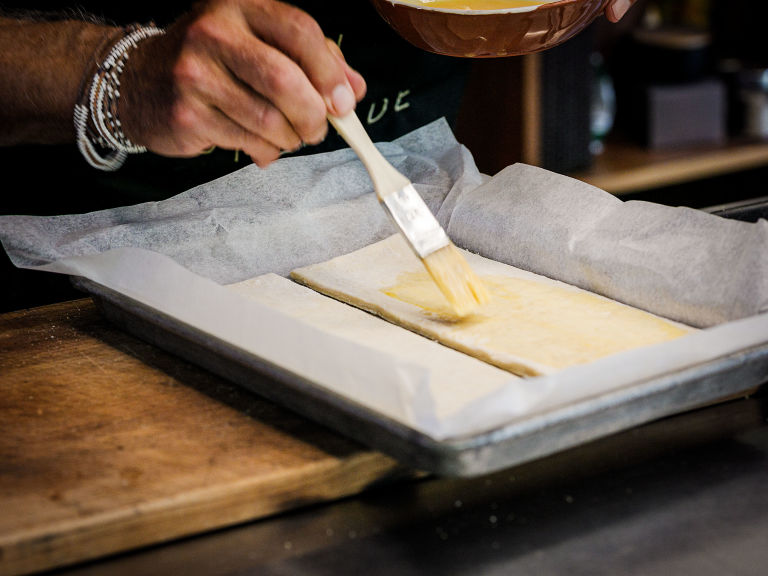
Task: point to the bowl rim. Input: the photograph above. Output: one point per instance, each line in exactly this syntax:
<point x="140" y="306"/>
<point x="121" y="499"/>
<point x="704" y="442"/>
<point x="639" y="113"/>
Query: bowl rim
<point x="545" y="4"/>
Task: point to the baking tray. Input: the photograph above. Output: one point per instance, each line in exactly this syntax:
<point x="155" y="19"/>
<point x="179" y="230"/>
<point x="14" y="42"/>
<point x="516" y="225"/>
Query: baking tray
<point x="521" y="441"/>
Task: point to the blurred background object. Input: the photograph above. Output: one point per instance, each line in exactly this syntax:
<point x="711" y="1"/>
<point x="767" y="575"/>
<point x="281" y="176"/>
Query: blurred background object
<point x="753" y="94"/>
<point x="670" y="104"/>
<point x="603" y="104"/>
<point x="668" y="91"/>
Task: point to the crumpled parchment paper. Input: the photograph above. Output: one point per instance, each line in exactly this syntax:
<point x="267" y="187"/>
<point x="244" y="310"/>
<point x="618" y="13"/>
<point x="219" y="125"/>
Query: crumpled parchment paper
<point x="677" y="262"/>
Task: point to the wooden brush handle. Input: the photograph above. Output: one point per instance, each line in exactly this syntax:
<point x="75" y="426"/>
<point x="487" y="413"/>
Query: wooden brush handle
<point x="386" y="179"/>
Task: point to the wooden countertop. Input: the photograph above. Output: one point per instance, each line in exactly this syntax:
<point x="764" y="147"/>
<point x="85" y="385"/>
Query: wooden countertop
<point x="109" y="444"/>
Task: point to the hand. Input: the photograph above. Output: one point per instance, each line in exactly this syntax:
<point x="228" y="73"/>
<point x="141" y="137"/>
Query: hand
<point x="252" y="75"/>
<point x="616" y="9"/>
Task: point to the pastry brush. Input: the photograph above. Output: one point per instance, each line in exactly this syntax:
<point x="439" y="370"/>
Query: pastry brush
<point x="445" y="264"/>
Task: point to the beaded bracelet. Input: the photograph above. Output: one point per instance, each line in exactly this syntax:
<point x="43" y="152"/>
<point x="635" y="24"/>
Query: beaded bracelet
<point x="100" y="136"/>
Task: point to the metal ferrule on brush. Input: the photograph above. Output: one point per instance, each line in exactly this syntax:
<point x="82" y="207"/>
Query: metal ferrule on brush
<point x="414" y="219"/>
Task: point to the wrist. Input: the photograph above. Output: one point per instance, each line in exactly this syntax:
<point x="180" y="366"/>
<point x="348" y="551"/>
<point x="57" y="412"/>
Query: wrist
<point x="99" y="132"/>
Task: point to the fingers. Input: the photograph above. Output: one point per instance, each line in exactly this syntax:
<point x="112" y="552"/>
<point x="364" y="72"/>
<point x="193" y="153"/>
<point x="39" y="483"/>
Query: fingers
<point x="281" y="82"/>
<point x="296" y="34"/>
<point x="254" y="75"/>
<point x="356" y="81"/>
<point x="247" y="109"/>
<point x="234" y="137"/>
<point x="617" y="8"/>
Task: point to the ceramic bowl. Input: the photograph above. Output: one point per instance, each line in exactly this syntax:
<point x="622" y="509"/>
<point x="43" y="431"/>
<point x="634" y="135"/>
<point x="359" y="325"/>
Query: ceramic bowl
<point x="489" y="33"/>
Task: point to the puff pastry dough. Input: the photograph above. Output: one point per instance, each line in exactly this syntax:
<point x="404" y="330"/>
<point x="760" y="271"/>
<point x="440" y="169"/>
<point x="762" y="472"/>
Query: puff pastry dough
<point x="533" y="325"/>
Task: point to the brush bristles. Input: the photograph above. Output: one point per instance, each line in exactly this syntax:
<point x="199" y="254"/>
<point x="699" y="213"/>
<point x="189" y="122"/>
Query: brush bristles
<point x="456" y="280"/>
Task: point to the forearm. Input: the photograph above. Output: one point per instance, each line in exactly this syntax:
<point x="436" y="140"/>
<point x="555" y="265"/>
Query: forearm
<point x="42" y="65"/>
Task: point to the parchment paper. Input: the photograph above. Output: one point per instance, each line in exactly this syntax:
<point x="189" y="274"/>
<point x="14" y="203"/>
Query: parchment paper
<point x="368" y="371"/>
<point x="176" y="255"/>
<point x="298" y="211"/>
<point x="685" y="264"/>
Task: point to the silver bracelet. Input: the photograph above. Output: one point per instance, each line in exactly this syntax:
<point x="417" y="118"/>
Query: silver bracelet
<point x="100" y="135"/>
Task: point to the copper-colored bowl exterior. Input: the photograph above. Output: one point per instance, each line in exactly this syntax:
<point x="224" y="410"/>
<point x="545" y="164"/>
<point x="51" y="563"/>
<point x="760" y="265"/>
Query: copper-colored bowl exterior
<point x="489" y="35"/>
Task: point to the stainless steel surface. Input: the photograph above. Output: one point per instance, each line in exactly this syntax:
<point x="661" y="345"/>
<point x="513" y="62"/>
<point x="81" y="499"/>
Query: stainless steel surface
<point x="684" y="495"/>
<point x="522" y="441"/>
<point x="748" y="210"/>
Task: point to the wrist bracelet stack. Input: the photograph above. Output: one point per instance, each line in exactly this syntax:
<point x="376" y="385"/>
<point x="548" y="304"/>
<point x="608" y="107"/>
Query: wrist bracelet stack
<point x="100" y="135"/>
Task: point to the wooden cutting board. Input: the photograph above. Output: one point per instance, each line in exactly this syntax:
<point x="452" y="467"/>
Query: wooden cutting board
<point x="108" y="444"/>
